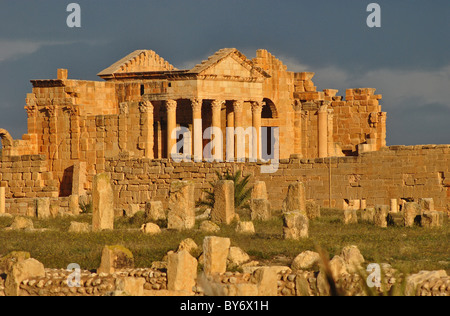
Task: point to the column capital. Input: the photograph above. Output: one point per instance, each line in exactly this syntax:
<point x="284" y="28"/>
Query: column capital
<point x="123" y="108"/>
<point x="297" y="105"/>
<point x="145" y="107"/>
<point x="217" y="104"/>
<point x="257" y="106"/>
<point x="324" y="105"/>
<point x="171" y="105"/>
<point x="238" y="105"/>
<point x="196" y="104"/>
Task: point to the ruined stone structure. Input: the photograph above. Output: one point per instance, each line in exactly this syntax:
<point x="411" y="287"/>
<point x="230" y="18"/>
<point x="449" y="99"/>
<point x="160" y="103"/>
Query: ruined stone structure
<point x="127" y="125"/>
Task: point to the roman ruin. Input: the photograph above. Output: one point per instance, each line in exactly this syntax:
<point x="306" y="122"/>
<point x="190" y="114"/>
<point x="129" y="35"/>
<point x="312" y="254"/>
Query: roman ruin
<point x="149" y="138"/>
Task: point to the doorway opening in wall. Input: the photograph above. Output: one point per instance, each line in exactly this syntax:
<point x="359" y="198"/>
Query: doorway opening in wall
<point x="65" y="185"/>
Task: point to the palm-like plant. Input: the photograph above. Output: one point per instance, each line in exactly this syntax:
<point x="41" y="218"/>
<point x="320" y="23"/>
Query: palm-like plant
<point x="241" y="193"/>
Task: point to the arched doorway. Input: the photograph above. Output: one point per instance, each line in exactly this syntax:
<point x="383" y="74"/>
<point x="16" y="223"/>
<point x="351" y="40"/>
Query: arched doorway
<point x="6" y="142"/>
<point x="269" y="129"/>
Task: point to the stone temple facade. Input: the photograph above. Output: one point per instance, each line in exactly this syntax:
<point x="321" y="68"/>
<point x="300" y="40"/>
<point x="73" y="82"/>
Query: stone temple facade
<point x="76" y="124"/>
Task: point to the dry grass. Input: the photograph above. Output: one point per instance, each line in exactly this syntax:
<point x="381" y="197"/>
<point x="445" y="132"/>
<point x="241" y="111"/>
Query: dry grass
<point x="407" y="249"/>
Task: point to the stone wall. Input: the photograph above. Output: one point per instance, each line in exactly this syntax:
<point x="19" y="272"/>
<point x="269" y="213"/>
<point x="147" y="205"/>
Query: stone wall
<point x="27" y="176"/>
<point x="288" y="283"/>
<point x="396" y="172"/>
<point x="409" y="172"/>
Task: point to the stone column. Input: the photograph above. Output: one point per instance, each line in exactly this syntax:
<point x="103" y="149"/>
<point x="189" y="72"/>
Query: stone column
<point x="171" y="106"/>
<point x="297" y="127"/>
<point x="147" y="135"/>
<point x="2" y="200"/>
<point x="216" y="106"/>
<point x="223" y="210"/>
<point x="322" y="128"/>
<point x="256" y="122"/>
<point x="123" y="125"/>
<point x="198" y="129"/>
<point x="394" y="206"/>
<point x="53" y="130"/>
<point x="103" y="203"/>
<point x="230" y="153"/>
<point x="330" y="147"/>
<point x="238" y="107"/>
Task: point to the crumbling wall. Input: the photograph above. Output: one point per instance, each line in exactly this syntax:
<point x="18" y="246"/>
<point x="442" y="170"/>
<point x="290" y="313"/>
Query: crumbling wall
<point x="395" y="172"/>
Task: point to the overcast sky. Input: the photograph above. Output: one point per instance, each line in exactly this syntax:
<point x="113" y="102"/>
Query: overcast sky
<point x="407" y="59"/>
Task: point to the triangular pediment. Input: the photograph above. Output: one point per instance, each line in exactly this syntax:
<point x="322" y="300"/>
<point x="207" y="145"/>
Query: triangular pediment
<point x="137" y="62"/>
<point x="229" y="62"/>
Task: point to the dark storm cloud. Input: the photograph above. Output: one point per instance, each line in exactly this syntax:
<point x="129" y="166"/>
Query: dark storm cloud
<point x="328" y="37"/>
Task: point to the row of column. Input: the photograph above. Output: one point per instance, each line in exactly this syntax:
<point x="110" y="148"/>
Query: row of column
<point x="324" y="129"/>
<point x="235" y="119"/>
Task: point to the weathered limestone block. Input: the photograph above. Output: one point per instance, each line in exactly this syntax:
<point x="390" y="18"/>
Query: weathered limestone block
<point x="208" y="226"/>
<point x="427" y="204"/>
<point x="76" y="227"/>
<point x="380" y="216"/>
<point x="395" y="219"/>
<point x="181" y="272"/>
<point x="266" y="279"/>
<point x="296" y="225"/>
<point x="150" y="229"/>
<point x="237" y="257"/>
<point x="6" y="262"/>
<point x="115" y="258"/>
<point x="223" y="210"/>
<point x="130" y="286"/>
<point x="74" y="204"/>
<point x="410" y="211"/>
<point x="189" y="245"/>
<point x="353" y="259"/>
<point x="363" y="205"/>
<point x="394" y="206"/>
<point x="414" y="282"/>
<point x="2" y="200"/>
<point x="312" y="209"/>
<point x="368" y="215"/>
<point x="350" y="217"/>
<point x="306" y="260"/>
<point x="260" y="209"/>
<point x="259" y="190"/>
<point x="432" y="219"/>
<point x="103" y="203"/>
<point x="215" y="254"/>
<point x="181" y="206"/>
<point x="132" y="210"/>
<point x="21" y="223"/>
<point x="154" y="211"/>
<point x="295" y="199"/>
<point x="338" y="267"/>
<point x="245" y="228"/>
<point x="43" y="208"/>
<point x="20" y="271"/>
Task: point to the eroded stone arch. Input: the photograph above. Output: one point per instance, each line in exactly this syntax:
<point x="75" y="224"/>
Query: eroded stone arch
<point x="6" y="139"/>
